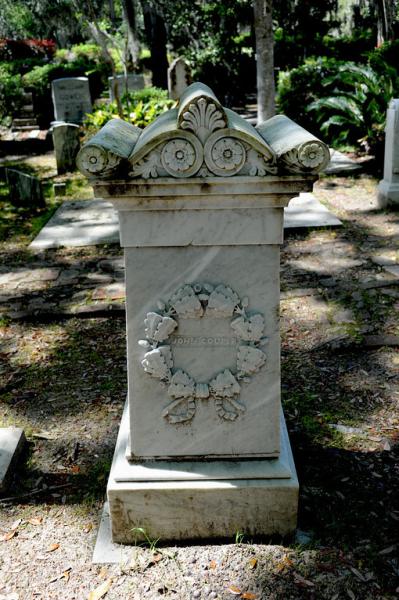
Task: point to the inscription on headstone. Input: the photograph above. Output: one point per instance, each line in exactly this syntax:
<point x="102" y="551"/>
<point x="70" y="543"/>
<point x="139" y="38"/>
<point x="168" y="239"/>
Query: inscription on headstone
<point x="71" y="99"/>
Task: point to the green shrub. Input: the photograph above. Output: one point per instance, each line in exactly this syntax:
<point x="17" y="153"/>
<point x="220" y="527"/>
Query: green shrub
<point x="354" y="105"/>
<point x="342" y="102"/>
<point x="301" y="86"/>
<point x="139" y="108"/>
<point x="10" y="91"/>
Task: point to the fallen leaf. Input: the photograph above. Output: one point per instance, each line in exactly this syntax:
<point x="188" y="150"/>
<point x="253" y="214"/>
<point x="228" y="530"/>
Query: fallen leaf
<point x="88" y="528"/>
<point x="103" y="573"/>
<point x="249" y="596"/>
<point x="284" y="563"/>
<point x="351" y="594"/>
<point x="35" y="520"/>
<point x="253" y="562"/>
<point x="16" y="524"/>
<point x="66" y="574"/>
<point x="53" y="547"/>
<point x="386" y="550"/>
<point x="8" y="536"/>
<point x="101" y="590"/>
<point x="157" y="557"/>
<point x="212" y="564"/>
<point x="233" y="589"/>
<point x="302" y="581"/>
<point x="75" y="469"/>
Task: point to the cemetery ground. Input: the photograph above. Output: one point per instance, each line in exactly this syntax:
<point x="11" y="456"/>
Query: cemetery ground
<point x="63" y="379"/>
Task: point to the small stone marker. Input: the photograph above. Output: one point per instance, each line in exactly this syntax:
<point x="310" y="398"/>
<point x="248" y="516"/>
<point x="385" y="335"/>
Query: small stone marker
<point x="66" y="146"/>
<point x="388" y="188"/>
<point x="133" y="82"/>
<point x="203" y="449"/>
<point x="179" y="77"/>
<point x="25" y="190"/>
<point x="71" y="99"/>
<point x="12" y="440"/>
<point x="59" y="189"/>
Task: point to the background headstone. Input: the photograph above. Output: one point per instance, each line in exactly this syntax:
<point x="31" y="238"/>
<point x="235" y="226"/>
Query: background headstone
<point x="71" y="99"/>
<point x="388" y="188"/>
<point x="66" y="146"/>
<point x="134" y="82"/>
<point x="12" y="441"/>
<point x="179" y="77"/>
<point x="25" y="190"/>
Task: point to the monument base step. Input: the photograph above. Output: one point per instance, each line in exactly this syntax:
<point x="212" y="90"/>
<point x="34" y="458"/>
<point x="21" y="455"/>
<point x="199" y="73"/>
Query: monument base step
<point x="216" y="500"/>
<point x="388" y="193"/>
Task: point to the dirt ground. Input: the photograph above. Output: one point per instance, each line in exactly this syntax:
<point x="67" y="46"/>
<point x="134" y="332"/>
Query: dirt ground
<point x="63" y="378"/>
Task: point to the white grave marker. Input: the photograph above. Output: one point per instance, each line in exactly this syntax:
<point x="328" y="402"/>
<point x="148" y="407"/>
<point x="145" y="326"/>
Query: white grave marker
<point x="71" y="99"/>
<point x="202" y="450"/>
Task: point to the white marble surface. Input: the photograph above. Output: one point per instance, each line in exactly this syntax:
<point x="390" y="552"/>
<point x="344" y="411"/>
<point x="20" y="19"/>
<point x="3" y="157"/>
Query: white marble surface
<point x="12" y="440"/>
<point x="151" y="470"/>
<point x="71" y="99"/>
<point x="186" y="509"/>
<point x="91" y="222"/>
<point x="154" y="274"/>
<point x="388" y="189"/>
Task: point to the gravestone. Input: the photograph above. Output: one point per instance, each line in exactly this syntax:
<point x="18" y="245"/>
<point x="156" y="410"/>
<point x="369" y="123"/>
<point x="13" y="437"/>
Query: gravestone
<point x="388" y="188"/>
<point x="202" y="450"/>
<point x="66" y="146"/>
<point x="71" y="99"/>
<point x="133" y="82"/>
<point x="179" y="77"/>
<point x="12" y="442"/>
<point x="25" y="190"/>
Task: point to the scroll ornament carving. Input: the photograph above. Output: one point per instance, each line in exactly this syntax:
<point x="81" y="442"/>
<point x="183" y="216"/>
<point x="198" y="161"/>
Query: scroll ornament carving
<point x="93" y="160"/>
<point x="197" y="301"/>
<point x="311" y="156"/>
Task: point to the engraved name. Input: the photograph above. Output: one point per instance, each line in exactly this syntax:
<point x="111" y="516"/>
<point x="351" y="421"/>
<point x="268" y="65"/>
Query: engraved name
<point x="202" y="340"/>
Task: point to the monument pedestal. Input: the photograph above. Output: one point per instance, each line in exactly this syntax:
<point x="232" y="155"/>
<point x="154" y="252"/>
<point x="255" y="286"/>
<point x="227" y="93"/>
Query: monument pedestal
<point x="201" y="499"/>
<point x="388" y="188"/>
<point x="203" y="451"/>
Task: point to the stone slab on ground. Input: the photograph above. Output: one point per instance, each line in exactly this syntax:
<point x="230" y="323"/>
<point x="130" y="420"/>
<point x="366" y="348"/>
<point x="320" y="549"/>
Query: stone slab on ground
<point x="91" y="222"/>
<point x="340" y="164"/>
<point x="12" y="440"/>
<point x="105" y="551"/>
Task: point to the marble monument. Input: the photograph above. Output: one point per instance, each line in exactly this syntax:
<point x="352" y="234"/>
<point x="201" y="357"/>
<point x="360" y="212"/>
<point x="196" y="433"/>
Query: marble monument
<point x="388" y="188"/>
<point x="71" y="99"/>
<point x="202" y="450"/>
<point x="132" y="82"/>
<point x="179" y="77"/>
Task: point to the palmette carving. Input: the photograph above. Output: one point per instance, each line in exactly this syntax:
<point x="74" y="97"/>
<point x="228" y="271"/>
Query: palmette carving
<point x="197" y="301"/>
<point x="203" y="117"/>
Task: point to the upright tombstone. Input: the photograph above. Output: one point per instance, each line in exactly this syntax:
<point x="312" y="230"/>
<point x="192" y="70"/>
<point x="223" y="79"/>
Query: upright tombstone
<point x="25" y="190"/>
<point x="388" y="188"/>
<point x="202" y="450"/>
<point x="66" y="146"/>
<point x="71" y="99"/>
<point x="131" y="83"/>
<point x="179" y="78"/>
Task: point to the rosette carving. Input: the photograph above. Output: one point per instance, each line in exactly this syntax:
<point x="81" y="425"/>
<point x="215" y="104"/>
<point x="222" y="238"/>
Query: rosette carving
<point x="224" y="155"/>
<point x="182" y="157"/>
<point x="310" y="156"/>
<point x="95" y="161"/>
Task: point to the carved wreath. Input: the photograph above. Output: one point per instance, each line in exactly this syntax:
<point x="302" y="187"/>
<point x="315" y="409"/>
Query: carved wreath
<point x="196" y="301"/>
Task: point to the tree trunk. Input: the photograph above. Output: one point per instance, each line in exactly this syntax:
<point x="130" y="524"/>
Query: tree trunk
<point x="264" y="38"/>
<point x="133" y="46"/>
<point x="156" y="38"/>
<point x="385" y="10"/>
